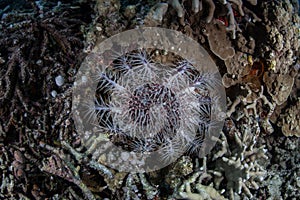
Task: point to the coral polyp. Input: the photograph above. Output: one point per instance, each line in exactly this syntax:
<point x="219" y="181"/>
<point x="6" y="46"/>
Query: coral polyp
<point x="147" y="106"/>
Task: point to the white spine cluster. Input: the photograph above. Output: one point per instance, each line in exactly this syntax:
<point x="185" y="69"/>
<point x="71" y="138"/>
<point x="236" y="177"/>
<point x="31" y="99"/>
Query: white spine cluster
<point x="146" y="106"/>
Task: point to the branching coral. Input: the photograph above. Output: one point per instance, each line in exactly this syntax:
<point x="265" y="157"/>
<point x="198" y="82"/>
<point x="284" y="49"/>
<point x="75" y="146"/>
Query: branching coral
<point x="252" y="106"/>
<point x="239" y="164"/>
<point x="237" y="161"/>
<point x="155" y="16"/>
<point x="131" y="187"/>
<point x="40" y="35"/>
<point x="210" y="6"/>
<point x="201" y="192"/>
<point x="38" y="41"/>
<point x="196" y="7"/>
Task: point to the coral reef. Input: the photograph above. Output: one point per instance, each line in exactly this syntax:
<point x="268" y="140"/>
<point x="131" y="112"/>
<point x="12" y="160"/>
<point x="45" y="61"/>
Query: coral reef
<point x="156" y="14"/>
<point x="252" y="106"/>
<point x="210" y="7"/>
<point x="237" y="160"/>
<point x="42" y="45"/>
<point x="219" y="43"/>
<point x="291" y="121"/>
<point x="281" y="49"/>
<point x="240" y="163"/>
<point x="282" y="180"/>
<point x="203" y="192"/>
<point x="39" y="41"/>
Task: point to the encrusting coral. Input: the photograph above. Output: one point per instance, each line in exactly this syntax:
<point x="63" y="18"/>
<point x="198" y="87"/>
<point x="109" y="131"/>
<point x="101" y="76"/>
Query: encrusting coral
<point x="275" y="70"/>
<point x="218" y="42"/>
<point x="290" y="121"/>
<point x="281" y="48"/>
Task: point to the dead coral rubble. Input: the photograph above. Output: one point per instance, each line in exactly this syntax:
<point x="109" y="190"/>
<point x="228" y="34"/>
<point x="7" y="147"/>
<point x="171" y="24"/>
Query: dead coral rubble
<point x="39" y="40"/>
<point x="282" y="180"/>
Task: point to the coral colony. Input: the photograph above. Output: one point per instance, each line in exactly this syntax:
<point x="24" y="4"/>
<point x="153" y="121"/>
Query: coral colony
<point x="229" y="21"/>
<point x="146" y="105"/>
